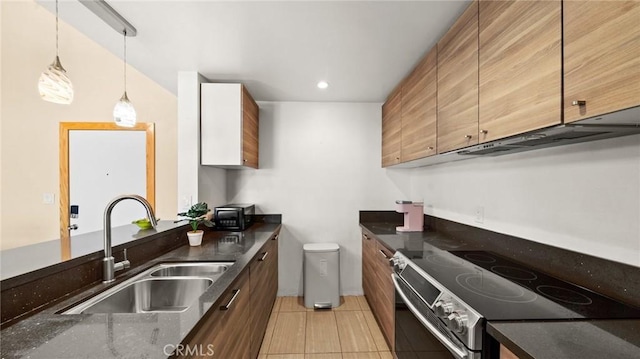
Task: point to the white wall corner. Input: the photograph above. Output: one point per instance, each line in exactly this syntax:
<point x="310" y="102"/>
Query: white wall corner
<point x="188" y="137"/>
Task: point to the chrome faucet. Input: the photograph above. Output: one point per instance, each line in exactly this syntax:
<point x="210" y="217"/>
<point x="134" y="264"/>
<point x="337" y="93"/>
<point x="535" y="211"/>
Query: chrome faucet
<point x="108" y="263"/>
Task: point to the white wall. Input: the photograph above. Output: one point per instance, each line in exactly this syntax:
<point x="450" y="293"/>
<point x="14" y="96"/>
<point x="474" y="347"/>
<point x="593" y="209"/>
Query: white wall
<point x="27" y="47"/>
<point x="196" y="183"/>
<point x="319" y="166"/>
<point x="583" y="197"/>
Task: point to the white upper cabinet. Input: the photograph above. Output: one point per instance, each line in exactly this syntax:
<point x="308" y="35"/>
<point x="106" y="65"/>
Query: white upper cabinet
<point x="228" y="126"/>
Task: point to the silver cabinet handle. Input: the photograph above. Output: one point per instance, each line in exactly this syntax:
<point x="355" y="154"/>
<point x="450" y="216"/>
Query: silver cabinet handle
<point x="366" y="237"/>
<point x="72" y="227"/>
<point x="275" y="238"/>
<point x="263" y="257"/>
<point x="578" y="103"/>
<point x="484" y="132"/>
<point x="383" y="254"/>
<point x="228" y="305"/>
<point x="468" y="137"/>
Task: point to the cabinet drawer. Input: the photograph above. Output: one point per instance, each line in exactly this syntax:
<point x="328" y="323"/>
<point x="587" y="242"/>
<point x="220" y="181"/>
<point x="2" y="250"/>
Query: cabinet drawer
<point x="225" y="328"/>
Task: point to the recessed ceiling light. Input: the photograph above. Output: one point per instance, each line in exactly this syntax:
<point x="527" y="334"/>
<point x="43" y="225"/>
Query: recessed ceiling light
<point x="323" y="85"/>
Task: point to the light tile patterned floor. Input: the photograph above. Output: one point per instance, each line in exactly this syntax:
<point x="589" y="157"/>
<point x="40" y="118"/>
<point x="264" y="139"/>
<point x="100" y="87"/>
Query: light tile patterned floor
<point x="347" y="332"/>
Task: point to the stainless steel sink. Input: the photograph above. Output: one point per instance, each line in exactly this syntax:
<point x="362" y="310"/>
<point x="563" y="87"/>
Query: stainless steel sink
<point x="150" y="295"/>
<point x="210" y="270"/>
<point x="168" y="287"/>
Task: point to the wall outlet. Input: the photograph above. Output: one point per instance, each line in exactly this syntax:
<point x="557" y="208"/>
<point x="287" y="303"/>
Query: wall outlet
<point x="186" y="202"/>
<point x="48" y="198"/>
<point x="479" y="214"/>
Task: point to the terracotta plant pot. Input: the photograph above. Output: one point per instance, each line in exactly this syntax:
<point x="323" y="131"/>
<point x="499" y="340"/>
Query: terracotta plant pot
<point x="195" y="238"/>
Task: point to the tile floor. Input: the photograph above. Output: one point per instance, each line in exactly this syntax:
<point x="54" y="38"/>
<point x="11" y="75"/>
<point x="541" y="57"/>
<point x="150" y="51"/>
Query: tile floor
<point x="347" y="332"/>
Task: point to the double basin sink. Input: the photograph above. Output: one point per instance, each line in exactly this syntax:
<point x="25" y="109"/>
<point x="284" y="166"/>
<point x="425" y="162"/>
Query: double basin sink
<point x="167" y="287"/>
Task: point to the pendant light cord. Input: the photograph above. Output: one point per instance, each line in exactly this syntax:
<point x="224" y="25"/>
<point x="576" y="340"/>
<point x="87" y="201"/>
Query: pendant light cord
<point x="56" y="28"/>
<point x="125" y="60"/>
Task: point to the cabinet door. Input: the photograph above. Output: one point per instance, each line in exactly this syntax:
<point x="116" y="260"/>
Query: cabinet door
<point x="261" y="273"/>
<point x="458" y="83"/>
<point x="419" y="110"/>
<point x="506" y="353"/>
<point x="601" y="57"/>
<point x="385" y="296"/>
<point x="368" y="268"/>
<point x="225" y="329"/>
<point x="250" y="115"/>
<point x="391" y="128"/>
<point x="520" y="67"/>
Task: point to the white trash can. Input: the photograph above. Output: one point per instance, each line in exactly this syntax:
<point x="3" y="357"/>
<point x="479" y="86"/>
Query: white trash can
<point x="321" y="275"/>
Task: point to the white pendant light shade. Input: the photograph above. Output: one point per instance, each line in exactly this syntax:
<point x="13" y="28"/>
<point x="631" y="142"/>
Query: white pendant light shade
<point x="54" y="84"/>
<point x="124" y="114"/>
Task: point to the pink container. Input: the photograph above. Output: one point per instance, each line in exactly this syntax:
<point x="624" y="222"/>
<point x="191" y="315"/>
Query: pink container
<point x="413" y="216"/>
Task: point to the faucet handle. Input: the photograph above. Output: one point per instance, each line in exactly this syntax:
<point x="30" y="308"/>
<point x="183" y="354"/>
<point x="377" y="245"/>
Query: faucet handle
<point x="125" y="262"/>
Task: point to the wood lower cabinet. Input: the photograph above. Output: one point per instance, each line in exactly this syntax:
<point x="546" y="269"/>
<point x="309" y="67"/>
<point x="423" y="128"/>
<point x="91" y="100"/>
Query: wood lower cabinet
<point x="520" y="67"/>
<point x="392" y="128"/>
<point x="506" y="353"/>
<point x="601" y="57"/>
<point x="419" y="110"/>
<point x="378" y="286"/>
<point x="263" y="279"/>
<point x="225" y="329"/>
<point x="458" y="83"/>
<point x="236" y="327"/>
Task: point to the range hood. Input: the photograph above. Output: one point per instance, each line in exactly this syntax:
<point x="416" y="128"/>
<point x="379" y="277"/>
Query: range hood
<point x="615" y="124"/>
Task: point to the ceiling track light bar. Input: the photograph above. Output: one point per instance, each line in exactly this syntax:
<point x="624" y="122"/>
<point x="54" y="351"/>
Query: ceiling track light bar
<point x="110" y="16"/>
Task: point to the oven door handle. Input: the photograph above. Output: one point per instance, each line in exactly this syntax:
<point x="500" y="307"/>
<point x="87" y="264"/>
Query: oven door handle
<point x="460" y="354"/>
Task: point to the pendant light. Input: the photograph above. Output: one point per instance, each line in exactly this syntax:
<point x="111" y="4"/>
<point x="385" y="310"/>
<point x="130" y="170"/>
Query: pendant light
<point x="124" y="114"/>
<point x="54" y="85"/>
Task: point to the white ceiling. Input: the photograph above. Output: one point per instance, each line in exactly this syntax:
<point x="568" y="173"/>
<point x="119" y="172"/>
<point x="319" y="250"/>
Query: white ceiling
<point x="280" y="50"/>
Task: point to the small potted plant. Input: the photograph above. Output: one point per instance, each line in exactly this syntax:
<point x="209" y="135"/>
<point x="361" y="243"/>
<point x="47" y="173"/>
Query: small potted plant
<point x="198" y="213"/>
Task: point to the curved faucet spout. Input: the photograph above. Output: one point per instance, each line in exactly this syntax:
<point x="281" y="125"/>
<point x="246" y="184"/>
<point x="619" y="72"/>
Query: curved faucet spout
<point x="108" y="262"/>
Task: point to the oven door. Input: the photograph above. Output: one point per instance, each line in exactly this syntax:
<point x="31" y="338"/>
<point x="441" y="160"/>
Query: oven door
<point x="419" y="333"/>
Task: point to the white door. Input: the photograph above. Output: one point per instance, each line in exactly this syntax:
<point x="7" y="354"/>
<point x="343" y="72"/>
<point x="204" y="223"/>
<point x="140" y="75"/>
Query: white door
<point x="103" y="165"/>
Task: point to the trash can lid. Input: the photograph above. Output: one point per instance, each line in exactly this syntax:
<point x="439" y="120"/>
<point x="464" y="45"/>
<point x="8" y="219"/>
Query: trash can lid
<point x="321" y="247"/>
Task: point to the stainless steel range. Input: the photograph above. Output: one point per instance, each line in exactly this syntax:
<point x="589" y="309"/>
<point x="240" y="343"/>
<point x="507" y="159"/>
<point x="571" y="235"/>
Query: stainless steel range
<point x="449" y="296"/>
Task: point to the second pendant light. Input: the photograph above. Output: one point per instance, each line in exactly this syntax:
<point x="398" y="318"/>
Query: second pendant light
<point x="124" y="114"/>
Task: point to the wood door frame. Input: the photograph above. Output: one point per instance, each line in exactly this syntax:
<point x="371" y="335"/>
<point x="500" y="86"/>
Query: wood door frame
<point x="65" y="127"/>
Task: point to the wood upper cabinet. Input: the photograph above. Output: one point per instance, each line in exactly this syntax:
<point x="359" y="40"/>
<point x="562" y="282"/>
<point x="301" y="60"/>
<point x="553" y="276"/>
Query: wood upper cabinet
<point x="419" y="110"/>
<point x="377" y="285"/>
<point x="263" y="279"/>
<point x="601" y="57"/>
<point x="458" y="83"/>
<point x="520" y="66"/>
<point x="391" y="128"/>
<point x="250" y="114"/>
<point x="228" y="126"/>
<point x="225" y="329"/>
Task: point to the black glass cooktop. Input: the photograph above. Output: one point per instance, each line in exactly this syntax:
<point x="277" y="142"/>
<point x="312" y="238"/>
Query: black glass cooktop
<point x="501" y="289"/>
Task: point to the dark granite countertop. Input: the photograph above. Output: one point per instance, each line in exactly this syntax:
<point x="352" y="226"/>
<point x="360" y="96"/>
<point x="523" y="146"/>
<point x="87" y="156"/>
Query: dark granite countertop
<point x="610" y="339"/>
<point x="153" y="335"/>
<point x="584" y="339"/>
<point x="386" y="233"/>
